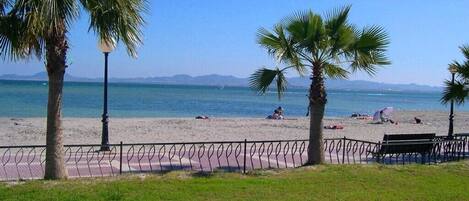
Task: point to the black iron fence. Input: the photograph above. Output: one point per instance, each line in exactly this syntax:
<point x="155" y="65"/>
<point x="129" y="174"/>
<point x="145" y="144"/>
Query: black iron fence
<point x="27" y="162"/>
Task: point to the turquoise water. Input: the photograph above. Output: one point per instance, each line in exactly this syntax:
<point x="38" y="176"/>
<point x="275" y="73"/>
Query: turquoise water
<point x="29" y="99"/>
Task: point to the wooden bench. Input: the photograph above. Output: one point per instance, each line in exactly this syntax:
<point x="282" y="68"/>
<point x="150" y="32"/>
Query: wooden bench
<point x="462" y="135"/>
<point x="406" y="143"/>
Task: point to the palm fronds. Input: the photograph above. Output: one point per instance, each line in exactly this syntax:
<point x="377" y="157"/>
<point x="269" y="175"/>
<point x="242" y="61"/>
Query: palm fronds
<point x="335" y="71"/>
<point x="305" y="41"/>
<point x="459" y="90"/>
<point x="281" y="46"/>
<point x="118" y="19"/>
<point x="340" y="32"/>
<point x="465" y="51"/>
<point x="4" y="4"/>
<point x="369" y="49"/>
<point x="26" y="25"/>
<point x="263" y="78"/>
<point x="16" y="40"/>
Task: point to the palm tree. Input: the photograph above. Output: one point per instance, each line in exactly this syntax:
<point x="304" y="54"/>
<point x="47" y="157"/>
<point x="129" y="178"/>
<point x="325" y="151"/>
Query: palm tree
<point x="326" y="46"/>
<point x="459" y="90"/>
<point x="32" y="27"/>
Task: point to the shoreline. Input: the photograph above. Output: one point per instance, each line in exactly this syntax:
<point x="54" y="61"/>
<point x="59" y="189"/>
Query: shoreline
<point x="458" y="109"/>
<point x="29" y="131"/>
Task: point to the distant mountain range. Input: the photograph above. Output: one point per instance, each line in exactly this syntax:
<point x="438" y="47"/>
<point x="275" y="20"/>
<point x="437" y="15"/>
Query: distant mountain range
<point x="224" y="80"/>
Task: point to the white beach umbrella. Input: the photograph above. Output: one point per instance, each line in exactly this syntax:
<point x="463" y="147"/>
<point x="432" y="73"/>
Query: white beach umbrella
<point x="387" y="111"/>
<point x="376" y="115"/>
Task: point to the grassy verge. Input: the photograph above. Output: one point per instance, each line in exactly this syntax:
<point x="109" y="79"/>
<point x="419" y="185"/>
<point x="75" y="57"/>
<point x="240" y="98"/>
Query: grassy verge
<point x="329" y="182"/>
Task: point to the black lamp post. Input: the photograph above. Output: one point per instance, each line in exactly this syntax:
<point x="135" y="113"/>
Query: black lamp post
<point x="106" y="47"/>
<point x="452" y="69"/>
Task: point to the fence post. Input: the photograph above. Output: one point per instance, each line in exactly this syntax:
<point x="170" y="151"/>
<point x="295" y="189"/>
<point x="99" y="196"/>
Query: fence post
<point x="244" y="161"/>
<point x="377" y="151"/>
<point x="120" y="159"/>
<point x="463" y="150"/>
<point x="464" y="142"/>
<point x="343" y="152"/>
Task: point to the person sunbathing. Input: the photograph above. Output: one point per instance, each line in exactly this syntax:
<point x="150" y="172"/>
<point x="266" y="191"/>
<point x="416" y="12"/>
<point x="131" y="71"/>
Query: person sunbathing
<point x="334" y="127"/>
<point x="202" y="117"/>
<point x="278" y="114"/>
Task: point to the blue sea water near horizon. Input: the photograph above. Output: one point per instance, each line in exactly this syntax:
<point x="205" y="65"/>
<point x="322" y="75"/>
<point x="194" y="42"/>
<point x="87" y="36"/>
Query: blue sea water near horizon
<point x="80" y="99"/>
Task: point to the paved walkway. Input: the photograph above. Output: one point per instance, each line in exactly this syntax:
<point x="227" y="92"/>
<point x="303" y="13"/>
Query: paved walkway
<point x="109" y="164"/>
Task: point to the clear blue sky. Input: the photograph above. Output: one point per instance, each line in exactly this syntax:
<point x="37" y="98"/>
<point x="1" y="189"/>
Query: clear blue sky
<point x="211" y="36"/>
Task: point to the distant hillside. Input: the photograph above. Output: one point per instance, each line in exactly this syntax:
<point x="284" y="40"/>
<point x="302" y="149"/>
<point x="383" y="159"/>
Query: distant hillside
<point x="210" y="80"/>
<point x="224" y="80"/>
<point x="42" y="76"/>
<point x="365" y="85"/>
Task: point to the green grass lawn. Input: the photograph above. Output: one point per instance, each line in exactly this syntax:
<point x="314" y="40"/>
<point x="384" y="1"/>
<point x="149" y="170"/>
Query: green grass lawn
<point x="329" y="182"/>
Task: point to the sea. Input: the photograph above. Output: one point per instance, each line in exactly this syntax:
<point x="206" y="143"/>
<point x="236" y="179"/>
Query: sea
<point x="81" y="99"/>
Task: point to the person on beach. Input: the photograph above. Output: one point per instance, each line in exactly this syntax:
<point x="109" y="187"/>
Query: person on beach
<point x="360" y="116"/>
<point x="385" y="119"/>
<point x="381" y="117"/>
<point x="202" y="117"/>
<point x="278" y="114"/>
<point x="279" y="111"/>
<point x="418" y="120"/>
<point x="334" y="127"/>
<point x="275" y="115"/>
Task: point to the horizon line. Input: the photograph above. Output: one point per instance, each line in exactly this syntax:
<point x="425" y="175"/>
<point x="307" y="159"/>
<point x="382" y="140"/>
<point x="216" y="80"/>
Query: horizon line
<point x="211" y="74"/>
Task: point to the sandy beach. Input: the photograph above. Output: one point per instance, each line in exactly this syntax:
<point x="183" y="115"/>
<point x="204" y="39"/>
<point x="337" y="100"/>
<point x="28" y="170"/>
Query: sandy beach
<point x="24" y="131"/>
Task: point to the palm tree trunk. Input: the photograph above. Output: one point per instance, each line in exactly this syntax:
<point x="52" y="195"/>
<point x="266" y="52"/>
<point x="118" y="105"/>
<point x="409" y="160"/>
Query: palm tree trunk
<point x="317" y="102"/>
<point x="56" y="50"/>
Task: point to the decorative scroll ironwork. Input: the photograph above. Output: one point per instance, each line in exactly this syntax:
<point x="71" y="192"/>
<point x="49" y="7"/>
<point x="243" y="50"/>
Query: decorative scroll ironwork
<point x="27" y="162"/>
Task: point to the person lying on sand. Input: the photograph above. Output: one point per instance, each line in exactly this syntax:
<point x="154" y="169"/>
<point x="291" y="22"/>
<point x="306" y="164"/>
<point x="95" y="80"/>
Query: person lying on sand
<point x="361" y="116"/>
<point x="334" y="127"/>
<point x="202" y="117"/>
<point x="364" y="118"/>
<point x="357" y="115"/>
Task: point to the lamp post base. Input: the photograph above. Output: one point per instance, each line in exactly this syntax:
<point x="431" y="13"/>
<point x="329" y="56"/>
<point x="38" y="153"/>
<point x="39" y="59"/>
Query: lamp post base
<point x="105" y="148"/>
<point x="105" y="134"/>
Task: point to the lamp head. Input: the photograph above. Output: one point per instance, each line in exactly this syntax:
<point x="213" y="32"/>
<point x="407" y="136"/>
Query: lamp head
<point x="107" y="46"/>
<point x="453" y="69"/>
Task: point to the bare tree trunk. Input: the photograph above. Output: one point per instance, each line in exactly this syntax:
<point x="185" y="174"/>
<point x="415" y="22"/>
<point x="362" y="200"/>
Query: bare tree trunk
<point x="317" y="101"/>
<point x="56" y="50"/>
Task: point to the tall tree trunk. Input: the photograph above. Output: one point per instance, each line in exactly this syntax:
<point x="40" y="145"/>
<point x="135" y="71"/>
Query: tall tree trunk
<point x="317" y="102"/>
<point x="56" y="50"/>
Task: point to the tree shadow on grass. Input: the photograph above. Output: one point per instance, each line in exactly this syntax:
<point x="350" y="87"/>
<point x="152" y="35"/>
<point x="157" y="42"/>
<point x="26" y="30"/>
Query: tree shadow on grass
<point x="206" y="172"/>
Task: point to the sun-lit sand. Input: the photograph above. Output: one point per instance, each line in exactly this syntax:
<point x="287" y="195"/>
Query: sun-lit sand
<point x="22" y="131"/>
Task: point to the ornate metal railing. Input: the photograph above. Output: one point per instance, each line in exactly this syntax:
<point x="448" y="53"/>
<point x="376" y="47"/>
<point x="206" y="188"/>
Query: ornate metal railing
<point x="464" y="137"/>
<point x="27" y="162"/>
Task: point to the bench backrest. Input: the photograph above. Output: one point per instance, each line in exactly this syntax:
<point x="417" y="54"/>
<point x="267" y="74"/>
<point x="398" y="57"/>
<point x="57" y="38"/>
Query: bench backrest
<point x="403" y="143"/>
<point x="461" y="135"/>
<point x="409" y="137"/>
